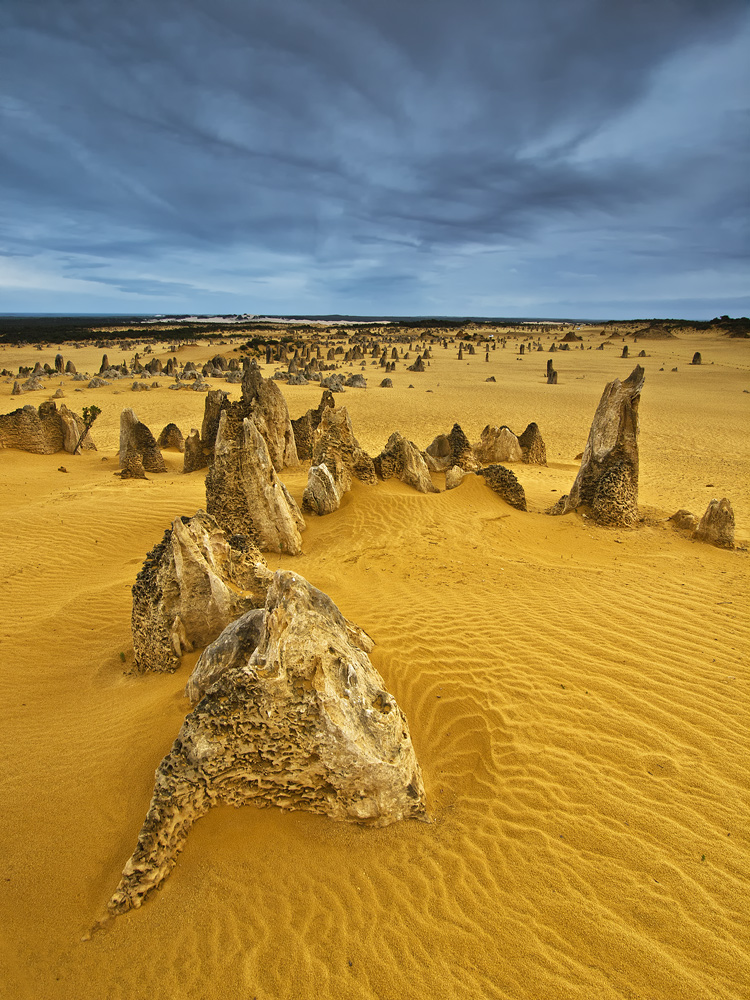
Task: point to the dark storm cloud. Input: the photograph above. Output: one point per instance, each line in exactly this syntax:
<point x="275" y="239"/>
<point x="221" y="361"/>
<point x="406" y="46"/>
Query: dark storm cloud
<point x="364" y="146"/>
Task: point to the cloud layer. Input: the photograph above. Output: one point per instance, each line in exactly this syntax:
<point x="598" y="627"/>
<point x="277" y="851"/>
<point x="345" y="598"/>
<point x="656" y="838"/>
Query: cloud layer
<point x="436" y="157"/>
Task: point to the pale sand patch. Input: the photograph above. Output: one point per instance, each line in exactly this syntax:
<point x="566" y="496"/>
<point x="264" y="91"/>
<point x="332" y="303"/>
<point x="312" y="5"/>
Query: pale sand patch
<point x="577" y="698"/>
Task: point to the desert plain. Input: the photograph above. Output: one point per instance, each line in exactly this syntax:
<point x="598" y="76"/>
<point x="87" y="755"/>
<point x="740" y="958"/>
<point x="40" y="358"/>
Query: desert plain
<point x="577" y="698"/>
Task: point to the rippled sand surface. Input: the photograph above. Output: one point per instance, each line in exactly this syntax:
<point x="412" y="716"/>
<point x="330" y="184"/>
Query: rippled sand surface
<point x="577" y="697"/>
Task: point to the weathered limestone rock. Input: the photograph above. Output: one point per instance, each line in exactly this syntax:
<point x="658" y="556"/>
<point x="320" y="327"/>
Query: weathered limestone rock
<point x="454" y="477"/>
<point x="304" y="427"/>
<point x="136" y="437"/>
<point x="505" y="484"/>
<point x="717" y="525"/>
<point x="696" y="358"/>
<point x="356" y="382"/>
<point x="322" y="494"/>
<point x="451" y="449"/>
<point x="335" y="445"/>
<point x="498" y="444"/>
<point x="195" y="457"/>
<point x="300" y="721"/>
<point x="237" y="641"/>
<point x="264" y="402"/>
<point x="387" y="383"/>
<point x="418" y="365"/>
<point x="607" y="481"/>
<point x="533" y="450"/>
<point x="43" y="431"/>
<point x="243" y="491"/>
<point x="684" y="520"/>
<point x="402" y="459"/>
<point x="171" y="437"/>
<point x="131" y="467"/>
<point x="192" y="584"/>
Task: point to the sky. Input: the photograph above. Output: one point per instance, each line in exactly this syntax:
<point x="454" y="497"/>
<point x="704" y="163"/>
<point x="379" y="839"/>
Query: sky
<point x="583" y="159"/>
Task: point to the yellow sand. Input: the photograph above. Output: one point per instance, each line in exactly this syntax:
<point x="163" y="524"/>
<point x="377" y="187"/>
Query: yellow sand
<point x="577" y="698"/>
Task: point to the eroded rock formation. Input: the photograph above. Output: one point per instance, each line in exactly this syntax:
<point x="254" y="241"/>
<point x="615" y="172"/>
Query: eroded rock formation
<point x="498" y="444"/>
<point x="505" y="484"/>
<point x="136" y="438"/>
<point x="451" y="449"/>
<point x="304" y="427"/>
<point x="244" y="493"/>
<point x="402" y="459"/>
<point x="607" y="481"/>
<point x="171" y="437"/>
<point x="533" y="450"/>
<point x="43" y="431"/>
<point x="301" y="720"/>
<point x="717" y="525"/>
<point x="192" y="584"/>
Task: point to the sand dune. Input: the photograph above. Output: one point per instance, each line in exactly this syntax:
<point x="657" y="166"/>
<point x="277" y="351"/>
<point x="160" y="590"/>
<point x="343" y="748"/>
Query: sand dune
<point x="577" y="698"/>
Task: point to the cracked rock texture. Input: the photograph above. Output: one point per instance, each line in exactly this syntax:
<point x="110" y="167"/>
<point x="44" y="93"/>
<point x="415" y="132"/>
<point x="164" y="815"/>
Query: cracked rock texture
<point x="402" y="459"/>
<point x="607" y="481"/>
<point x="244" y="493"/>
<point x="300" y="721"/>
<point x="192" y="584"/>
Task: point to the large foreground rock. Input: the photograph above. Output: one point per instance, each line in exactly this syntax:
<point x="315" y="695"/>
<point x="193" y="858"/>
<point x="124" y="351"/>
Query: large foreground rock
<point x="193" y="583"/>
<point x="607" y="481"/>
<point x="43" y="431"/>
<point x="402" y="459"/>
<point x="244" y="493"/>
<point x="300" y="721"/>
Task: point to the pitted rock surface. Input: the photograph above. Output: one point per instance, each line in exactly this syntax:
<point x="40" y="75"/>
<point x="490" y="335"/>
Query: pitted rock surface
<point x="302" y="720"/>
<point x="533" y="450"/>
<point x="171" y="437"/>
<point x="505" y="484"/>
